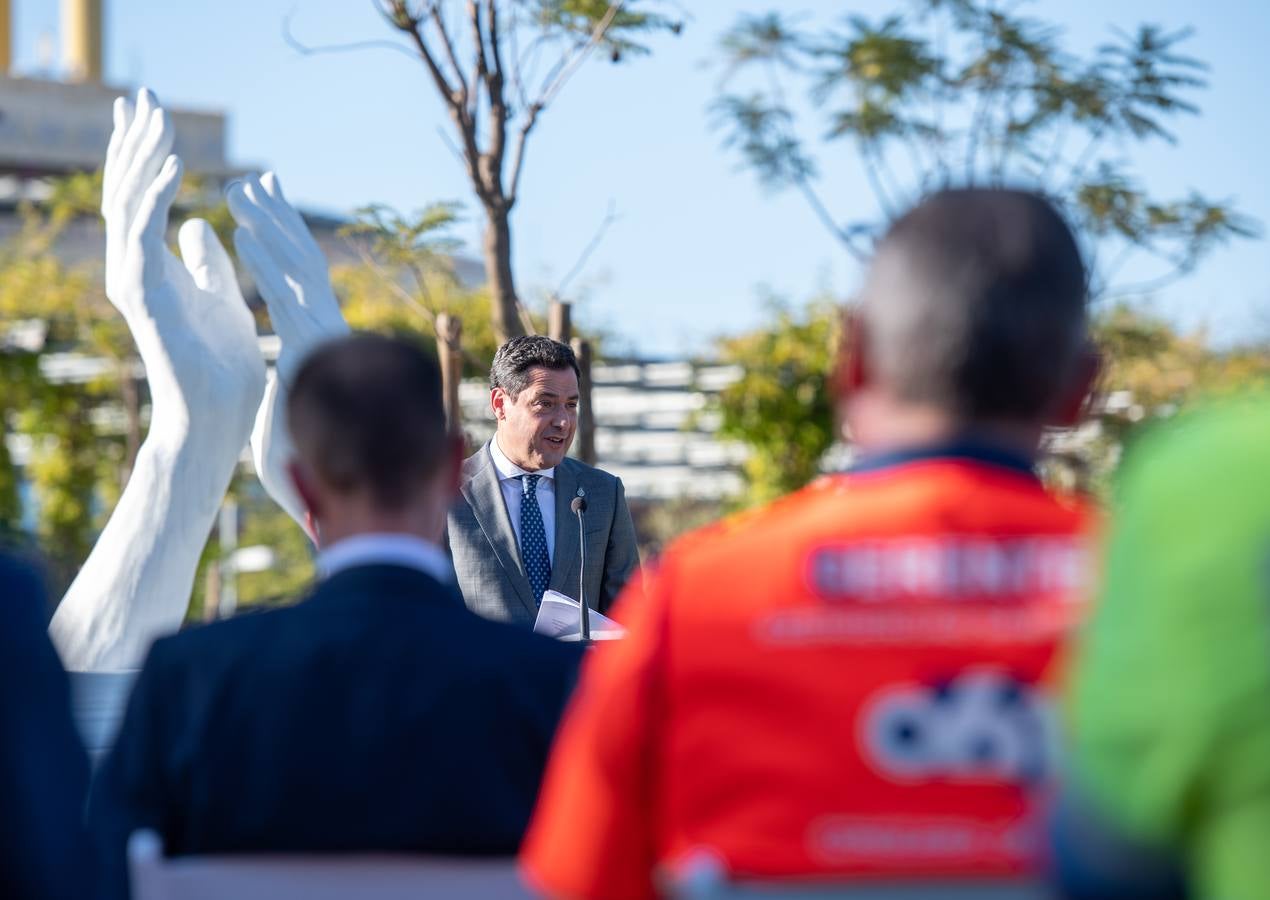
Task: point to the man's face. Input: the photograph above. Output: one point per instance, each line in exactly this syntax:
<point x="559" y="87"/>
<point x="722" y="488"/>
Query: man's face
<point x="536" y="428"/>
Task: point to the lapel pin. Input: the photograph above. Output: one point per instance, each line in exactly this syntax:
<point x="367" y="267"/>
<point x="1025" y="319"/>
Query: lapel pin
<point x="581" y="492"/>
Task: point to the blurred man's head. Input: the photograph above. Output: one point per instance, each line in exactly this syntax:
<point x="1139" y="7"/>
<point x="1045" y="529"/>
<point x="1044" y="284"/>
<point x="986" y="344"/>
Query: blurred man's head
<point x="972" y="319"/>
<point x="372" y="449"/>
<point x="534" y="393"/>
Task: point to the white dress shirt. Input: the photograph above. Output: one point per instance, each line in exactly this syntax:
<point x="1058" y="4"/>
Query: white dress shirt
<point x="514" y="490"/>
<point x="385" y="549"/>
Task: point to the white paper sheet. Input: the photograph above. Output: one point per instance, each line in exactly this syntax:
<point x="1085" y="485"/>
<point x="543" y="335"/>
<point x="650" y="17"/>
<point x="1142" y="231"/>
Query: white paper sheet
<point x="558" y="618"/>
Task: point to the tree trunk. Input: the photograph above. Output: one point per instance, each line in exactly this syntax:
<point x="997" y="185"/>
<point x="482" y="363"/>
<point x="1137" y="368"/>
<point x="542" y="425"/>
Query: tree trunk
<point x="498" y="270"/>
<point x="560" y="322"/>
<point x="450" y="354"/>
<point x="586" y="411"/>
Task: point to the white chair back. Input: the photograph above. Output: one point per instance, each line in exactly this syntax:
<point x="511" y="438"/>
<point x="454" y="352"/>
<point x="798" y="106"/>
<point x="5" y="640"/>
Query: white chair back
<point x="286" y="877"/>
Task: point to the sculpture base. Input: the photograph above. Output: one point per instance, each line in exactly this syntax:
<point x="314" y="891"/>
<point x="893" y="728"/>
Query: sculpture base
<point x="98" y="701"/>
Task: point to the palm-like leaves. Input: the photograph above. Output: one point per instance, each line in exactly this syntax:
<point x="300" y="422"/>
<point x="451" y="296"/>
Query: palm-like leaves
<point x="960" y="85"/>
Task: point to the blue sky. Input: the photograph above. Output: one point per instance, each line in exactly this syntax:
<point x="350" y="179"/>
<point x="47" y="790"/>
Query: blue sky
<point x="698" y="241"/>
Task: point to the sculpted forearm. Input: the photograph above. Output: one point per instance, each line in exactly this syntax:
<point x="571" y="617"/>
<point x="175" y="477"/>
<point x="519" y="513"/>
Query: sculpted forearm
<point x="136" y="584"/>
<point x="197" y="340"/>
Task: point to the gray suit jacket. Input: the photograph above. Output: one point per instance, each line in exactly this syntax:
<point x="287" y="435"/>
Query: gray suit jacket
<point x="487" y="560"/>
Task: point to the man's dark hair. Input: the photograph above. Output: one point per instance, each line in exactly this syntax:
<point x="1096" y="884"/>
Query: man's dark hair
<point x="512" y="362"/>
<point x="365" y="411"/>
<point x="976" y="304"/>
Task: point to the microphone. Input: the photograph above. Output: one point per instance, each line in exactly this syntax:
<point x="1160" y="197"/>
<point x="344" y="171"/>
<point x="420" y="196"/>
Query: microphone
<point x="579" y="507"/>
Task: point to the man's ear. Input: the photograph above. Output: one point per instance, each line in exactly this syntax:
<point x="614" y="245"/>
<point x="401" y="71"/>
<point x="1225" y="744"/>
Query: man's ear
<point x="850" y="372"/>
<point x="306" y="490"/>
<point x="1075" y="400"/>
<point x="498" y="401"/>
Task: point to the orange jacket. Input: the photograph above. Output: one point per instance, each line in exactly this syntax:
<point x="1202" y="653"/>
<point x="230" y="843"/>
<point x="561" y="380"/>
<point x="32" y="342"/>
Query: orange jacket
<point x="849" y="682"/>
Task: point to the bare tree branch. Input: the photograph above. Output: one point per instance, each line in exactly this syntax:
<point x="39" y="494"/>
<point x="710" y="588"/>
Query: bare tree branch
<point x="1056" y="150"/>
<point x="400" y="18"/>
<point x="409" y="26"/>
<point x="972" y="142"/>
<point x="556" y="79"/>
<point x="894" y="190"/>
<point x="450" y="145"/>
<point x="847" y="239"/>
<point x="1107" y="274"/>
<point x="1082" y="162"/>
<point x="314" y="50"/>
<point x="610" y="217"/>
<point x="1150" y="285"/>
<point x="577" y="56"/>
<point x="439" y="23"/>
<point x="871" y="158"/>
<point x="496" y="54"/>
<point x="518" y="81"/>
<point x="480" y="67"/>
<point x="518" y="151"/>
<point x="497" y="105"/>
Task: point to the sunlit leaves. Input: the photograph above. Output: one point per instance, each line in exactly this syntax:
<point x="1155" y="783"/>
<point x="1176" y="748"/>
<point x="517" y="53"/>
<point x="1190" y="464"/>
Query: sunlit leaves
<point x="780" y="408"/>
<point x="764" y="134"/>
<point x="422" y="239"/>
<point x="579" y="18"/>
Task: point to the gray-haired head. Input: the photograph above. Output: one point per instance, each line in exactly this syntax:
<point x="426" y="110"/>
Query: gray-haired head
<point x="515" y="358"/>
<point x="975" y="304"/>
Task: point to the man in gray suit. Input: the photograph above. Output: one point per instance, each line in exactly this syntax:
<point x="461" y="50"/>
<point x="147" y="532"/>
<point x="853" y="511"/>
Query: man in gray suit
<point x="513" y="534"/>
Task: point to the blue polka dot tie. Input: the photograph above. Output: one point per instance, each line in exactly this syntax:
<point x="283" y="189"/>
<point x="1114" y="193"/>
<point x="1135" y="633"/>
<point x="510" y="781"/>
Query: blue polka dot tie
<point x="533" y="538"/>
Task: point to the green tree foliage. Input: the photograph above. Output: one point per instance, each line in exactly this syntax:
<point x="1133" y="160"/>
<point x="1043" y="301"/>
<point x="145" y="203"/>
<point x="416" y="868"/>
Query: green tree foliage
<point x="974" y="93"/>
<point x="781" y="407"/>
<point x="406" y="279"/>
<point x="49" y="308"/>
<point x="1151" y="371"/>
<point x="967" y="92"/>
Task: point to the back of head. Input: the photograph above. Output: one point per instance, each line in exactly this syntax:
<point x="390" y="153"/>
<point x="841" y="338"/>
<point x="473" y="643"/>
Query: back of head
<point x="365" y="414"/>
<point x="975" y="305"/>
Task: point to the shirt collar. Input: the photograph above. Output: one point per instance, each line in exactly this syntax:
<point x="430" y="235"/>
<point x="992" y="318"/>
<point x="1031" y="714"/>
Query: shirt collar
<point x="508" y="469"/>
<point x="385" y="549"/>
<point x="969" y="449"/>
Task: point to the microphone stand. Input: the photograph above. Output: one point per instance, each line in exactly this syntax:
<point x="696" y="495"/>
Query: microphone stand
<point x="584" y="612"/>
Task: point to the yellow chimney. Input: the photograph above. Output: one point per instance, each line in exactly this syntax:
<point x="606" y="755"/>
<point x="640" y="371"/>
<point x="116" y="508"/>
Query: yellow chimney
<point x="6" y="36"/>
<point x="82" y="39"/>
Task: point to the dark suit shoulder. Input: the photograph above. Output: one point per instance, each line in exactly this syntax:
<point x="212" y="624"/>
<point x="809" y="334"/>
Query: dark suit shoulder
<point x="237" y="632"/>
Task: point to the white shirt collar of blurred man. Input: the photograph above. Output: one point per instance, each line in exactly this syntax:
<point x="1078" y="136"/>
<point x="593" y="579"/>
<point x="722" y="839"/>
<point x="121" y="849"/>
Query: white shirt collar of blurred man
<point x="385" y="549"/>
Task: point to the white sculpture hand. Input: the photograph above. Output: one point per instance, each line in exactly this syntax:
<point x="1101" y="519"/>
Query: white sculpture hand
<point x="290" y="271"/>
<point x="198" y="343"/>
<point x="195" y="334"/>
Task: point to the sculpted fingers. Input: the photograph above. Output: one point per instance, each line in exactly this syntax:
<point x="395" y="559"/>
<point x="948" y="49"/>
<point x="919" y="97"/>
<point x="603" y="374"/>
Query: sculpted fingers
<point x="151" y="223"/>
<point x="267" y="226"/>
<point x="289" y="218"/>
<point x="207" y="262"/>
<point x="151" y="154"/>
<point x="270" y="280"/>
<point x="123" y="115"/>
<point x="137" y="126"/>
